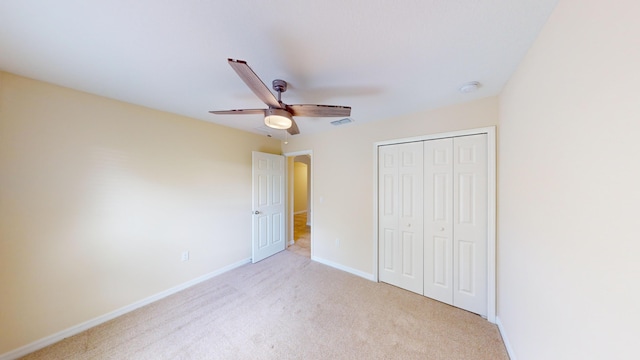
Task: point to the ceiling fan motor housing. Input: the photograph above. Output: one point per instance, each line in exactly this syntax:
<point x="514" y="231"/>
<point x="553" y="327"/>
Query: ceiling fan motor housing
<point x="279" y="85"/>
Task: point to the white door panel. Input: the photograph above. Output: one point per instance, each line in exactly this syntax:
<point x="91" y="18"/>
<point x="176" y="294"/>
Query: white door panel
<point x="470" y="229"/>
<point x="388" y="218"/>
<point x="401" y="216"/>
<point x="438" y="224"/>
<point x="268" y="229"/>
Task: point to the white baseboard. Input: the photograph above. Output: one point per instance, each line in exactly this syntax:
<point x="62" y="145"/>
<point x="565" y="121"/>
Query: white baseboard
<point x="505" y="339"/>
<point x="51" y="339"/>
<point x="343" y="268"/>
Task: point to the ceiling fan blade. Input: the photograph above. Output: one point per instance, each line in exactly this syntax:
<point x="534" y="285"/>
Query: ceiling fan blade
<point x="312" y="110"/>
<point x="293" y="130"/>
<point x="254" y="83"/>
<point x="238" y="112"/>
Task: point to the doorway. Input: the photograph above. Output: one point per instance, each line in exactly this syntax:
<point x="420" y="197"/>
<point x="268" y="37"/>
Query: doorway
<point x="300" y="209"/>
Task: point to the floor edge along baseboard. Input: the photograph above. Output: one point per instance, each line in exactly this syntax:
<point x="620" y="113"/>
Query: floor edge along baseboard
<point x="505" y="339"/>
<point x="332" y="264"/>
<point x="52" y="339"/>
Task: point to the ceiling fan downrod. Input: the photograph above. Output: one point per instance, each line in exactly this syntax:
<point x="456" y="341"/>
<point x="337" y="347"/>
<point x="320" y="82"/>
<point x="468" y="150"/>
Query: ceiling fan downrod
<point x="279" y="86"/>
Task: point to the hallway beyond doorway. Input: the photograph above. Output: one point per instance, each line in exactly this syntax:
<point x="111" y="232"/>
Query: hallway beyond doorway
<point x="301" y="235"/>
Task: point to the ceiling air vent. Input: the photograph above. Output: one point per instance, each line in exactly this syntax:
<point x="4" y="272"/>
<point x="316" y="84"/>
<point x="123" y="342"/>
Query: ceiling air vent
<point x="341" y="121"/>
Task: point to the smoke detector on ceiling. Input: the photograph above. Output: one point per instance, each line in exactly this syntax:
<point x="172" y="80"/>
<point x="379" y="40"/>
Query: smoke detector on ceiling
<point x="470" y="87"/>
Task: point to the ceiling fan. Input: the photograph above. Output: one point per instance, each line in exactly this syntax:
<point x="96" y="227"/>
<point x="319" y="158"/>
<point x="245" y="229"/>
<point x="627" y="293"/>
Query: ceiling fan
<point x="279" y="115"/>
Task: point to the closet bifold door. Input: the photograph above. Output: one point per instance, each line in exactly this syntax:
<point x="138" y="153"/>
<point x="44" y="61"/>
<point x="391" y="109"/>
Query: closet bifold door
<point x="438" y="223"/>
<point x="470" y="223"/>
<point x="400" y="215"/>
<point x="455" y="226"/>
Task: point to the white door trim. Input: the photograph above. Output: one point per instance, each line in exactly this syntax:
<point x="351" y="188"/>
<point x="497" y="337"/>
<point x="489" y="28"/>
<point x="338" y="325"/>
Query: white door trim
<point x="491" y="204"/>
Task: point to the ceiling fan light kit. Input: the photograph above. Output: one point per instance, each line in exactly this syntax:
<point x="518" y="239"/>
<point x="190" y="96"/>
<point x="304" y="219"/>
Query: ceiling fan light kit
<point x="277" y="119"/>
<point x="279" y="115"/>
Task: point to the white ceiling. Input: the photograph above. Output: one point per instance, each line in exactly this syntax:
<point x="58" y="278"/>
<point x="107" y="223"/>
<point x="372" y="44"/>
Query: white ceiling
<point x="382" y="58"/>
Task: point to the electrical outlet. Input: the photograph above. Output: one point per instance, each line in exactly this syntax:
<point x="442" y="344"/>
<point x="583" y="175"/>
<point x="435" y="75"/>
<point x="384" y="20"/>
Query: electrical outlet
<point x="185" y="255"/>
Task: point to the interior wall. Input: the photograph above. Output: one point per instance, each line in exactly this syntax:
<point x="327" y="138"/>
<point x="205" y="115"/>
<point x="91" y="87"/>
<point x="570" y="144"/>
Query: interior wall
<point x="99" y="198"/>
<point x="568" y="188"/>
<point x="343" y="177"/>
<point x="300" y="187"/>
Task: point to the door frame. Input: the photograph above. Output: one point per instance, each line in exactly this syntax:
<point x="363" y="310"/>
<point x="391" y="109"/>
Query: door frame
<point x="289" y="185"/>
<point x="490" y="131"/>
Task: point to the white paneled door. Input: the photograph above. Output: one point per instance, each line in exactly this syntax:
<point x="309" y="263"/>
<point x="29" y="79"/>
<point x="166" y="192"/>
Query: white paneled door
<point x="401" y="218"/>
<point x="438" y="224"/>
<point x="470" y="228"/>
<point x="444" y="190"/>
<point x="268" y="226"/>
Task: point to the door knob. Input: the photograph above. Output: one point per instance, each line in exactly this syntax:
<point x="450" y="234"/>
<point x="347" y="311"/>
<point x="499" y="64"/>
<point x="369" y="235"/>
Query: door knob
<point x="441" y="229"/>
<point x="256" y="212"/>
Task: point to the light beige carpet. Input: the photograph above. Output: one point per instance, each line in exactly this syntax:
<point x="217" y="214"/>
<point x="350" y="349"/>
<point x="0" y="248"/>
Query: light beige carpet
<point x="287" y="307"/>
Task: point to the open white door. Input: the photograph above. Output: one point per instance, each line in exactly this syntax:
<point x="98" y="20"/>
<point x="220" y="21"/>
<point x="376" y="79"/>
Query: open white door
<point x="268" y="230"/>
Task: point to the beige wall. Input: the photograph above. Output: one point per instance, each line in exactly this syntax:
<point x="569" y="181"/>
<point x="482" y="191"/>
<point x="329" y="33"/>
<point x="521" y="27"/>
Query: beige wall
<point x="98" y="199"/>
<point x="569" y="249"/>
<point x="299" y="187"/>
<point x="343" y="178"/>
